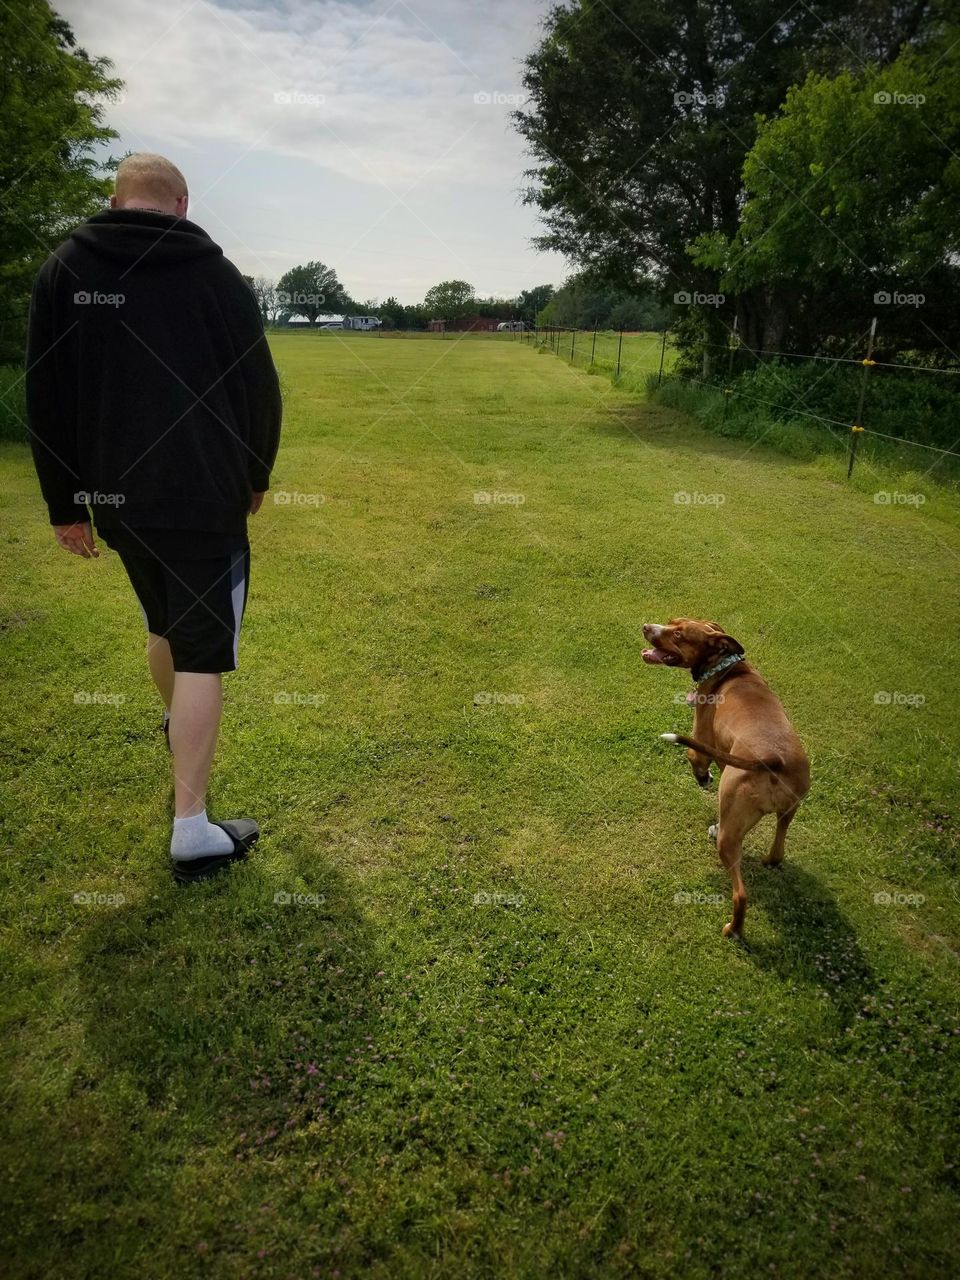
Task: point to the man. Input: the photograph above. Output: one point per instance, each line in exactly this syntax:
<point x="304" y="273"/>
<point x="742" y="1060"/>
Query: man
<point x="152" y="397"/>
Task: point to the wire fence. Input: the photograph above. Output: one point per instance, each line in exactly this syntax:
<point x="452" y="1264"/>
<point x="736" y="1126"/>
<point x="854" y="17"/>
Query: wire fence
<point x="618" y="352"/>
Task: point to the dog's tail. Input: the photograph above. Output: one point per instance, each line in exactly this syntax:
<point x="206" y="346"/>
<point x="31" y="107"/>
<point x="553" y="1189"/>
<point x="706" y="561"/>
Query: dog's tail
<point x="771" y="762"/>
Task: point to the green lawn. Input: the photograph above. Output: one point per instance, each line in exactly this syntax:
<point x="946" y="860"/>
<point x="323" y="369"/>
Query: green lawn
<point x="440" y="698"/>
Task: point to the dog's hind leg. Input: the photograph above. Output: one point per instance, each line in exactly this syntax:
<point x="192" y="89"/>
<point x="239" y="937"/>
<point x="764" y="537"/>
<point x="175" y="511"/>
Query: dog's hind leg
<point x="738" y="815"/>
<point x="777" y="851"/>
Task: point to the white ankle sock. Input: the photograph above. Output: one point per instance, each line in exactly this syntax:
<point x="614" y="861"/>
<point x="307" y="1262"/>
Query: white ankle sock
<point x="197" y="837"/>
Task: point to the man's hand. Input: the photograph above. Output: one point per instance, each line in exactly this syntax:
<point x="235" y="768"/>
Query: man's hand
<point x="77" y="539"/>
<point x="256" y="502"/>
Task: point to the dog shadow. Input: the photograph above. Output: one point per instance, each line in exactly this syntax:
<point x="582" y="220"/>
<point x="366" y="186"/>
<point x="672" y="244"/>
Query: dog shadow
<point x="815" y="944"/>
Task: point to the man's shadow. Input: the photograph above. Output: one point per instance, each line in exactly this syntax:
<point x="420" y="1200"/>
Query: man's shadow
<point x="232" y="1007"/>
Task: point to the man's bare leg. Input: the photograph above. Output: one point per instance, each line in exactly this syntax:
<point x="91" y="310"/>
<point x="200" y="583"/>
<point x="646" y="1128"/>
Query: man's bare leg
<point x="160" y="661"/>
<point x="194" y="724"/>
<point x="198" y="846"/>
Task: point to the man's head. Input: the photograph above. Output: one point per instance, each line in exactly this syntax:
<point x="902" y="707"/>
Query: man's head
<point x="147" y="181"/>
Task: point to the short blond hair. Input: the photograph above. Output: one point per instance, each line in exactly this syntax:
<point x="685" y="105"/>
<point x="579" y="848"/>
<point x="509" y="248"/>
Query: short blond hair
<point x="144" y="175"/>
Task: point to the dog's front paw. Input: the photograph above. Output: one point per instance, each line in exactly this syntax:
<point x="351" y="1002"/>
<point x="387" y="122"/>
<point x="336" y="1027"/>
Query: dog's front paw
<point x="712" y="831"/>
<point x="730" y="932"/>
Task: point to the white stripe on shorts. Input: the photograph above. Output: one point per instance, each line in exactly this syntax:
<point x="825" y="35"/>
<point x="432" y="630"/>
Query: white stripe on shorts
<point x="238" y="591"/>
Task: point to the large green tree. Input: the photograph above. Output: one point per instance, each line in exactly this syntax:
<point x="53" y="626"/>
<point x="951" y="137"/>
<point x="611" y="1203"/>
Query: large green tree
<point x="449" y="299"/>
<point x="52" y="105"/>
<point x="311" y="290"/>
<point x="640" y="116"/>
<point x="852" y="193"/>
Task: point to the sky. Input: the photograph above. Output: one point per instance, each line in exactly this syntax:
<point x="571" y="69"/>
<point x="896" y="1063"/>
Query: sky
<point x="373" y="135"/>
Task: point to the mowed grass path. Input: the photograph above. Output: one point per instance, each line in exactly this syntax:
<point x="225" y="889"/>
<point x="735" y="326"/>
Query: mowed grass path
<point x="386" y="1077"/>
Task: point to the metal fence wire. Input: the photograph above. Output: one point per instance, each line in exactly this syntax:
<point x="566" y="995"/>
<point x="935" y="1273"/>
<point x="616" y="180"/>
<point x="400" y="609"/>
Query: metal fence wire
<point x="566" y="342"/>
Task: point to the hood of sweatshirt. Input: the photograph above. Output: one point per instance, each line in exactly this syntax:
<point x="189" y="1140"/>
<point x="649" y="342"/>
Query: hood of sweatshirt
<point x="142" y="236"/>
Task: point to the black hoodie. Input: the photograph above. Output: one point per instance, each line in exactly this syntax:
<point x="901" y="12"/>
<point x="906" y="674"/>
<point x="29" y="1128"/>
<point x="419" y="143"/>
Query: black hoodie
<point x="151" y="393"/>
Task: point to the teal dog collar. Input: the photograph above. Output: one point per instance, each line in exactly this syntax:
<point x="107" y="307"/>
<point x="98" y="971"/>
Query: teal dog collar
<point x="722" y="665"/>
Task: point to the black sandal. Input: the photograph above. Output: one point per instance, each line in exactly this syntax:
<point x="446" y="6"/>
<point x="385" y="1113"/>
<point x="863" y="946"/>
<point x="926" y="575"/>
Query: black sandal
<point x="244" y="833"/>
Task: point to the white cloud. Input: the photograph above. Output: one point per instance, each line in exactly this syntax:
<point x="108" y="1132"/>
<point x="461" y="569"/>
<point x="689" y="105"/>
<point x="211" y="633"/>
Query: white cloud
<point x="379" y="95"/>
<point x="396" y="100"/>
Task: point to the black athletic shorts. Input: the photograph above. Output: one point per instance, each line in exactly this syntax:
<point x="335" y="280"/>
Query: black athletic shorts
<point x="195" y="603"/>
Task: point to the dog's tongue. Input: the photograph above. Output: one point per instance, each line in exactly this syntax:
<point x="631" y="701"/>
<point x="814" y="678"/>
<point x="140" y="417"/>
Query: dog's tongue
<point x="651" y="655"/>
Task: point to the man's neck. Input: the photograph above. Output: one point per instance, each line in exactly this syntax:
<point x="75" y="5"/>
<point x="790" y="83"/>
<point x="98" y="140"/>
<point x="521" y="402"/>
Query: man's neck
<point x="149" y="208"/>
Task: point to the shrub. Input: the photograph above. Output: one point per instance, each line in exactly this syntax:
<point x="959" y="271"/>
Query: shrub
<point x="780" y="404"/>
<point x="13" y="404"/>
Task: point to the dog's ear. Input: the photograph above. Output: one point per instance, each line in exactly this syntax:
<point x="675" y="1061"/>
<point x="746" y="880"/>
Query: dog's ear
<point x="723" y="644"/>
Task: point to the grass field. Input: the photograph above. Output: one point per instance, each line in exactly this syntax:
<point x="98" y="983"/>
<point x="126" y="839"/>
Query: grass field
<point x="467" y="1010"/>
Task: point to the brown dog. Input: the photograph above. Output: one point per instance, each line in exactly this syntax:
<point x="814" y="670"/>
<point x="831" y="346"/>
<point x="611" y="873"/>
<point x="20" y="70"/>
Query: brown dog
<point x="739" y="723"/>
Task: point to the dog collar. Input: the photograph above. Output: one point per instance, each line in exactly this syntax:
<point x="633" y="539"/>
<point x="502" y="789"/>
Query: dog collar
<point x="722" y="665"/>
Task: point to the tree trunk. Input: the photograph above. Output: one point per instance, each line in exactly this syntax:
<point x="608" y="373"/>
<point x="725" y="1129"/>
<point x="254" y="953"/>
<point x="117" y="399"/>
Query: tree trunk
<point x="776" y="320"/>
<point x="749" y="326"/>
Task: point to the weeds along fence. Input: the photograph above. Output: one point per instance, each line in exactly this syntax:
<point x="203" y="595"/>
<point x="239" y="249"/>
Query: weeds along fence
<point x="890" y="412"/>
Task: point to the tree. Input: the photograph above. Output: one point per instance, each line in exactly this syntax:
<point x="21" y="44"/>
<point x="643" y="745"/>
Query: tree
<point x="495" y="308"/>
<point x="640" y="116"/>
<point x="51" y="123"/>
<point x="851" y="194"/>
<point x="449" y="300"/>
<point x="416" y="316"/>
<point x="532" y="301"/>
<point x="311" y="290"/>
<point x="394" y="314"/>
<point x="265" y="292"/>
<point x="585" y="300"/>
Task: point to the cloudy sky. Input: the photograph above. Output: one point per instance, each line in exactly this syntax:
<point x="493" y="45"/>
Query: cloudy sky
<point x="372" y="134"/>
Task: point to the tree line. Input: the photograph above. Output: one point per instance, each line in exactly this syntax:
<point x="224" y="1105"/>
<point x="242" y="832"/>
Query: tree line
<point x="313" y="290"/>
<point x="584" y="301"/>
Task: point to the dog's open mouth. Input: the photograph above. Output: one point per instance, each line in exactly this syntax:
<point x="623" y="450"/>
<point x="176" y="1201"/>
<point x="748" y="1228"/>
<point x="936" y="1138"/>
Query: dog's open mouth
<point x="656" y="657"/>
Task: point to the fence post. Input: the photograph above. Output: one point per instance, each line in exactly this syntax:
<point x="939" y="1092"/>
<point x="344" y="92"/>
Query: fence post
<point x="619" y="349"/>
<point x="856" y="431"/>
<point x="663" y="352"/>
<point x="573" y="343"/>
<point x="732" y="344"/>
<point x="593" y="349"/>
